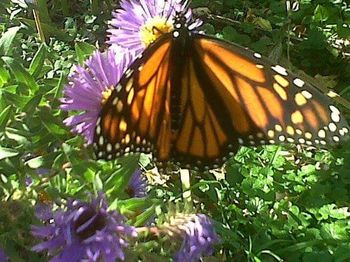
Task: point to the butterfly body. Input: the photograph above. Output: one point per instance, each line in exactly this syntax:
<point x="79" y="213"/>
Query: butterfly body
<point x="193" y="100"/>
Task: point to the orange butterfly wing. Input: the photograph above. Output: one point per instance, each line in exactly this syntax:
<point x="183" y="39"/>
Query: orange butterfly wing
<point x="276" y="103"/>
<point x="136" y="116"/>
<point x="196" y="109"/>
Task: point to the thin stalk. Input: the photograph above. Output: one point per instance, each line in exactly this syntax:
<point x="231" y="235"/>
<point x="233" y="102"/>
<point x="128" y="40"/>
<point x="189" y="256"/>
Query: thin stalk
<point x="186" y="187"/>
<point x="37" y="20"/>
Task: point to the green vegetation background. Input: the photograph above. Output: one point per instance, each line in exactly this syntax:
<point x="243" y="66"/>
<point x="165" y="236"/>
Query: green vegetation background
<point x="276" y="203"/>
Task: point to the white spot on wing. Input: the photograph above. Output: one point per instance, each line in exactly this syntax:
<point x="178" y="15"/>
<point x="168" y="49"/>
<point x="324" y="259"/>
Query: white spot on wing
<point x="279" y="69"/>
<point x="115" y="100"/>
<point x="335" y="117"/>
<point x="118" y="87"/>
<point x="109" y="147"/>
<point x="336" y="139"/>
<point x="98" y="130"/>
<point x="257" y="55"/>
<point x="306" y="94"/>
<point x="298" y="82"/>
<point x="101" y="140"/>
<point x="322" y="133"/>
<point x="332" y="127"/>
<point x="334" y="109"/>
<point x="281" y="138"/>
<point x="128" y="72"/>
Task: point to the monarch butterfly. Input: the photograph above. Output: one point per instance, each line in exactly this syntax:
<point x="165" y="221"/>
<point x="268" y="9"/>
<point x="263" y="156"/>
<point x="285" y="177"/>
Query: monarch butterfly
<point x="194" y="99"/>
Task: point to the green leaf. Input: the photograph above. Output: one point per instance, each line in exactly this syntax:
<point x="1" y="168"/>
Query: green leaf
<point x="20" y="73"/>
<point x="263" y="23"/>
<point x="132" y="204"/>
<point x="7" y="152"/>
<point x="35" y="162"/>
<point x="321" y="14"/>
<point x="4" y="74"/>
<point x="335" y="231"/>
<point x="145" y="216"/>
<point x="32" y="104"/>
<point x="83" y="50"/>
<point x="115" y="182"/>
<point x="15" y="99"/>
<point x="20" y="136"/>
<point x="38" y="61"/>
<point x="7" y="39"/>
<point x="4" y="117"/>
<point x="58" y="88"/>
<point x="50" y="123"/>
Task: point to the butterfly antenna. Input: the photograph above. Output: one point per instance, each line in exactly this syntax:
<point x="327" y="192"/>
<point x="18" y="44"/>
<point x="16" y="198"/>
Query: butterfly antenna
<point x="186" y="4"/>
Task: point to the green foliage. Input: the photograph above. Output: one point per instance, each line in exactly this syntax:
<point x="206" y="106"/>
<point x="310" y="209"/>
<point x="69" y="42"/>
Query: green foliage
<point x="275" y="204"/>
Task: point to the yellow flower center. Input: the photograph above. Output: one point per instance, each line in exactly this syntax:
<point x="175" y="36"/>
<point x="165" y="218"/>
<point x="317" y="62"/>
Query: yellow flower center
<point x="154" y="28"/>
<point x="105" y="95"/>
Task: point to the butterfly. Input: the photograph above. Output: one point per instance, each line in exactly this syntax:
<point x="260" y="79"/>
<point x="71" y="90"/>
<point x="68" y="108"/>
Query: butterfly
<point x="193" y="100"/>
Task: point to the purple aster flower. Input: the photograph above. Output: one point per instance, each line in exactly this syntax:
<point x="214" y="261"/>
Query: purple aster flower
<point x="3" y="257"/>
<point x="137" y="186"/>
<point x="84" y="232"/>
<point x="138" y="23"/>
<point x="89" y="87"/>
<point x="43" y="211"/>
<point x="199" y="236"/>
<point x="28" y="181"/>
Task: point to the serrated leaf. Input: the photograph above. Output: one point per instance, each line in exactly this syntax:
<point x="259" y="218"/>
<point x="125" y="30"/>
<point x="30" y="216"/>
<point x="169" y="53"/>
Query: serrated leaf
<point x="7" y="39"/>
<point x="20" y="73"/>
<point x="83" y="51"/>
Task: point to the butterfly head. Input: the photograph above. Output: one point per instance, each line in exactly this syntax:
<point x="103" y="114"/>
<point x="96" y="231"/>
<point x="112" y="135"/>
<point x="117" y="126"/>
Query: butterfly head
<point x="180" y="19"/>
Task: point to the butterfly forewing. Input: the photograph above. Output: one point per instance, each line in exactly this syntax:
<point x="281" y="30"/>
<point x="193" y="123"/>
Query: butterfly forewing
<point x="274" y="105"/>
<point x="135" y="118"/>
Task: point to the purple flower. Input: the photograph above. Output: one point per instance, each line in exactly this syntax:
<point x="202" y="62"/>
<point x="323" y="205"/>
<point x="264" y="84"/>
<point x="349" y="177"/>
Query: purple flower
<point x="28" y="181"/>
<point x="89" y="87"/>
<point x="137" y="185"/>
<point x="43" y="211"/>
<point x="3" y="257"/>
<point x="138" y="23"/>
<point x="199" y="238"/>
<point x="85" y="231"/>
